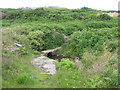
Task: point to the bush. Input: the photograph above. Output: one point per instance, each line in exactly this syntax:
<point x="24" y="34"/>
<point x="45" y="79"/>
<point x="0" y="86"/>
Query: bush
<point x="95" y="82"/>
<point x="112" y="45"/>
<point x="110" y="74"/>
<point x="100" y="24"/>
<point x="52" y="40"/>
<point x="77" y="44"/>
<point x="88" y="40"/>
<point x="65" y="64"/>
<point x="104" y="17"/>
<point x="72" y="27"/>
<point x="35" y="39"/>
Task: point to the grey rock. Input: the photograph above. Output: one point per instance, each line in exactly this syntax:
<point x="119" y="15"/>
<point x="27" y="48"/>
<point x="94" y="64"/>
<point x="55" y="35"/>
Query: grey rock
<point x="46" y="64"/>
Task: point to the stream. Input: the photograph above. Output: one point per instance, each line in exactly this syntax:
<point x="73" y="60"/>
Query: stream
<point x="47" y="61"/>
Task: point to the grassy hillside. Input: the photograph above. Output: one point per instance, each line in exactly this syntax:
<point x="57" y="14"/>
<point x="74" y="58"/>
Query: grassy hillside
<point x="92" y="38"/>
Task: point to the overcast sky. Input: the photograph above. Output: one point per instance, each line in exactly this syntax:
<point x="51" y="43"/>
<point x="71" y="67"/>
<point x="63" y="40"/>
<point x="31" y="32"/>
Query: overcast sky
<point x="95" y="4"/>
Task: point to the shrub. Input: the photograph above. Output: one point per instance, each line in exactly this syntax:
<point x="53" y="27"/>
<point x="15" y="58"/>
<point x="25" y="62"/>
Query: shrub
<point x="104" y="17"/>
<point x="80" y="16"/>
<point x="92" y="39"/>
<point x="110" y="74"/>
<point x="35" y="39"/>
<point x="65" y="64"/>
<point x="100" y="24"/>
<point x="72" y="27"/>
<point x="77" y="44"/>
<point x="95" y="82"/>
<point x="112" y="46"/>
<point x="52" y="40"/>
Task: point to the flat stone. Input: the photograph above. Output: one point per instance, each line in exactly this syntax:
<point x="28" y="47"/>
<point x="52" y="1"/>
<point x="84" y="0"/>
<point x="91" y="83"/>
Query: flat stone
<point x="46" y="64"/>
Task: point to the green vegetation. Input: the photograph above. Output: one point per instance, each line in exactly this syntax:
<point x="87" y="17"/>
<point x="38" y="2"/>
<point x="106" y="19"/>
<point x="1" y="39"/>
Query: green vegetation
<point x="104" y="17"/>
<point x="35" y="41"/>
<point x="91" y="37"/>
<point x="65" y="64"/>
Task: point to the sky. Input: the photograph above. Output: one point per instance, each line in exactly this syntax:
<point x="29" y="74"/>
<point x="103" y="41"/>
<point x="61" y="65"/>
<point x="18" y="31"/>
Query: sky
<point x="71" y="4"/>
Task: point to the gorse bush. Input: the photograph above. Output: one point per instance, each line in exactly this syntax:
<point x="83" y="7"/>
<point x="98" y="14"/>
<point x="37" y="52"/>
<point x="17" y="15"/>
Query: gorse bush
<point x="80" y="42"/>
<point x="100" y="24"/>
<point x="47" y="13"/>
<point x="112" y="45"/>
<point x="53" y="40"/>
<point x="35" y="39"/>
<point x="104" y="17"/>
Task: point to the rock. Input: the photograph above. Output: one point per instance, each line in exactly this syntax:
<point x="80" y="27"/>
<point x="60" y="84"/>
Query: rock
<point x="43" y="63"/>
<point x="18" y="45"/>
<point x="50" y="51"/>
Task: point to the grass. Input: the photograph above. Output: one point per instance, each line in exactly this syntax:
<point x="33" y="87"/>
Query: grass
<point x="21" y="74"/>
<point x="89" y="77"/>
<point x="18" y="72"/>
<point x="68" y="79"/>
